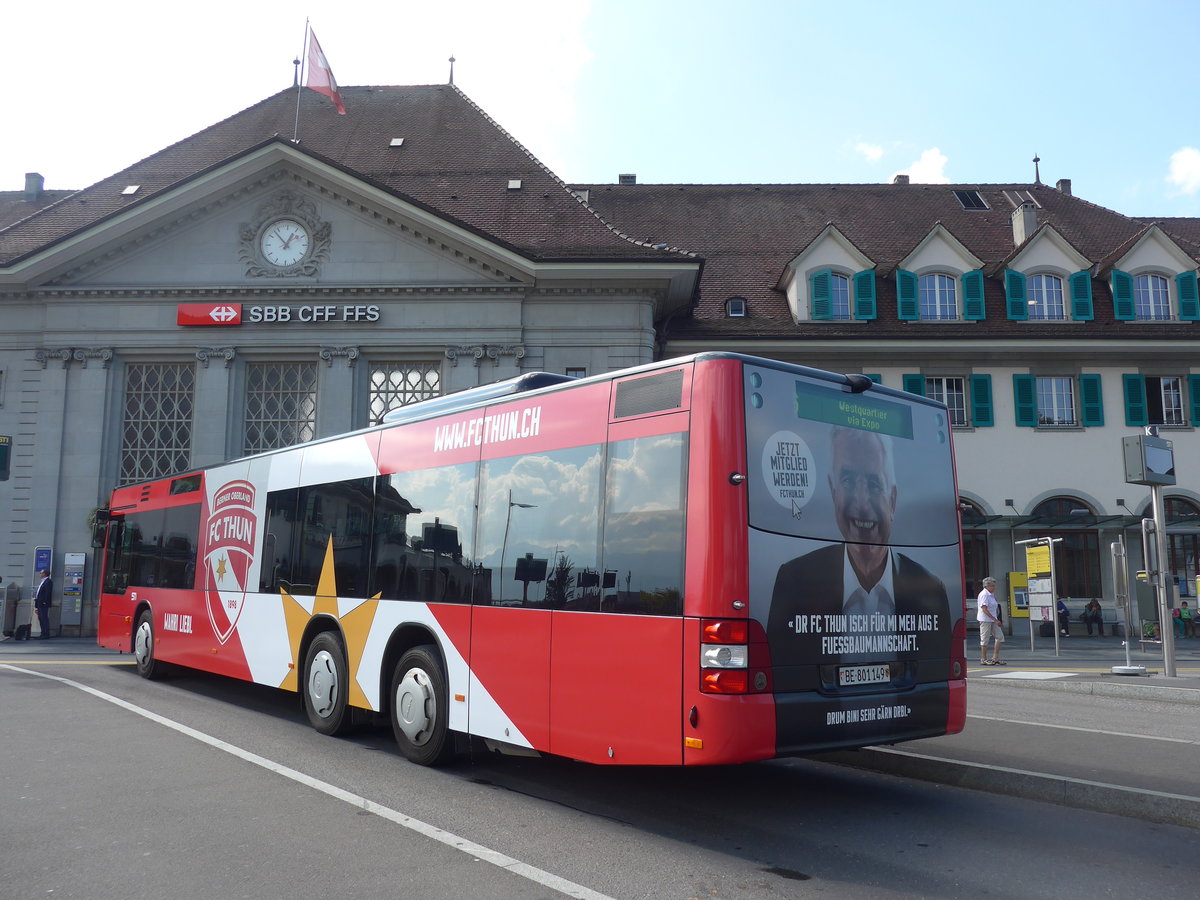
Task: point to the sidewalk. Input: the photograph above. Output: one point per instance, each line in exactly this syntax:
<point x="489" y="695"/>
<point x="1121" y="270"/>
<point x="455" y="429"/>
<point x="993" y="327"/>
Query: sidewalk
<point x="64" y="647"/>
<point x="1084" y="664"/>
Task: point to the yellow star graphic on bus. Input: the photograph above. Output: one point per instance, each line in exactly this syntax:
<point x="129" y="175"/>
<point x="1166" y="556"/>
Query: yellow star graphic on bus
<point x="221" y="568"/>
<point x="355" y="624"/>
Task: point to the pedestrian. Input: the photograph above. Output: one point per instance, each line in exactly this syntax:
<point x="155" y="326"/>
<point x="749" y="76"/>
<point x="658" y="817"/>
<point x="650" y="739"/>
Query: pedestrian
<point x="41" y="602"/>
<point x="1092" y="613"/>
<point x="1188" y="617"/>
<point x="1064" y="618"/>
<point x="990" y="629"/>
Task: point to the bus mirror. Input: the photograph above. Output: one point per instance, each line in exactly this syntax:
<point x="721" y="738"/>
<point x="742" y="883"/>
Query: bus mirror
<point x="99" y="527"/>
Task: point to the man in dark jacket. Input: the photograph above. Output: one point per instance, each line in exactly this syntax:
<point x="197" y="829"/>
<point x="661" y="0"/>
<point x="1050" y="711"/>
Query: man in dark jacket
<point x="41" y="602"/>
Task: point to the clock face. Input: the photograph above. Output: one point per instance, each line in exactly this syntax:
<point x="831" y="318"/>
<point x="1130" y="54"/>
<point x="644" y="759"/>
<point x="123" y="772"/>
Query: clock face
<point x="284" y="242"/>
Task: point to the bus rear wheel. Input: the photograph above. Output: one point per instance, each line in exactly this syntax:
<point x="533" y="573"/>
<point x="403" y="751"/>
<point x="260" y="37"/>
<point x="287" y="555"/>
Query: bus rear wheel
<point x="326" y="685"/>
<point x="143" y="648"/>
<point x="419" y="707"/>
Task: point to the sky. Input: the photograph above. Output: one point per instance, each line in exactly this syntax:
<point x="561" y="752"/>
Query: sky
<point x="697" y="91"/>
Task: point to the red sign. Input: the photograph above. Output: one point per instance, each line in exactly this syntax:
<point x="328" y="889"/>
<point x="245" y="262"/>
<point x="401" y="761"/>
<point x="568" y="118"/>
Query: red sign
<point x="209" y="314"/>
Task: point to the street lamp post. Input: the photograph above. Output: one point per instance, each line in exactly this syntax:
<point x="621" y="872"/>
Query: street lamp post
<point x="504" y="543"/>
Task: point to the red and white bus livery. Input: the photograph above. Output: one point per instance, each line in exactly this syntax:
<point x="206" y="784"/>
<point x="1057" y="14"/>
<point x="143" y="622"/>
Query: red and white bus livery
<point x="711" y="559"/>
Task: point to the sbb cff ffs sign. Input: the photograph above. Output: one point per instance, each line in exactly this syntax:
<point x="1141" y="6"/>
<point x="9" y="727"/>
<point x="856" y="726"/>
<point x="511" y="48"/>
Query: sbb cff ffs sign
<point x="192" y="314"/>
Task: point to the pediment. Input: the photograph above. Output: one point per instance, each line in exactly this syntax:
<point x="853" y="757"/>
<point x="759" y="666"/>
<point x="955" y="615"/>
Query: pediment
<point x="1154" y="251"/>
<point x="1049" y="250"/>
<point x="940" y="250"/>
<point x="210" y="232"/>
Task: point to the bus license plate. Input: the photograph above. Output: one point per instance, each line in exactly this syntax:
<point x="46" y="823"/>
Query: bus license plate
<point x="848" y="675"/>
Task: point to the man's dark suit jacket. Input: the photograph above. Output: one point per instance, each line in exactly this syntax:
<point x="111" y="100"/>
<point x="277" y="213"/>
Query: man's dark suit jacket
<point x="812" y="585"/>
<point x="43" y="594"/>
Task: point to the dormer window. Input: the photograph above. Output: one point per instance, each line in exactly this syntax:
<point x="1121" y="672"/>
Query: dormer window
<point x="1146" y="297"/>
<point x="735" y="308"/>
<point x="1046" y="297"/>
<point x="1151" y="298"/>
<point x="938" y="297"/>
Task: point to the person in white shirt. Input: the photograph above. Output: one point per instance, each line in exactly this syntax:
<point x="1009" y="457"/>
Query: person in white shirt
<point x="990" y="629"/>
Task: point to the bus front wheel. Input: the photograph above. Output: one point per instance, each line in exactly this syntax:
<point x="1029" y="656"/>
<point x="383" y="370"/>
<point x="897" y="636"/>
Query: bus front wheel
<point x="419" y="707"/>
<point x="326" y="685"/>
<point x="143" y="647"/>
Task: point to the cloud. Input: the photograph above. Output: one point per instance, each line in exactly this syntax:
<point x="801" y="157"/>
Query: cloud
<point x="929" y="168"/>
<point x="871" y="152"/>
<point x="1184" y="171"/>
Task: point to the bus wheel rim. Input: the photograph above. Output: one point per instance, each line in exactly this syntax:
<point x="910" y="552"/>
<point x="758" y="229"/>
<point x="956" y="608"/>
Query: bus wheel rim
<point x="143" y="644"/>
<point x="323" y="684"/>
<point x="416" y="706"/>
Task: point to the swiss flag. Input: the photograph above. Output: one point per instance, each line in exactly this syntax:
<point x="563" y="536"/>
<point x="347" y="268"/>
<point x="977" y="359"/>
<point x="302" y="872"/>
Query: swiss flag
<point x="320" y="76"/>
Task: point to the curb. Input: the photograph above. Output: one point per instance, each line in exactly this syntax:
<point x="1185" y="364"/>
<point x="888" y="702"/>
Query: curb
<point x="1126" y="688"/>
<point x="1152" y="806"/>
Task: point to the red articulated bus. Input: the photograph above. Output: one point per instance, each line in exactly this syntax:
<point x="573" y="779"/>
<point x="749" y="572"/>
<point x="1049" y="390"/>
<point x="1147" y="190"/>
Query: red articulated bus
<point x="710" y="559"/>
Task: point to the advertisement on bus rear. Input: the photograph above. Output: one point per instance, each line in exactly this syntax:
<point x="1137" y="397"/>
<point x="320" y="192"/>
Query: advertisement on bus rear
<point x="854" y="546"/>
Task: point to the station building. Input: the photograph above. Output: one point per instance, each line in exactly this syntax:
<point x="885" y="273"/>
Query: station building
<point x="263" y="283"/>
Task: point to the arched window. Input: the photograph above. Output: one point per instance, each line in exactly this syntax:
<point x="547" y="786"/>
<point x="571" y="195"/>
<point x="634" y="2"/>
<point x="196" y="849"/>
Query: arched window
<point x="975" y="547"/>
<point x="938" y="297"/>
<point x="1045" y="294"/>
<point x="1151" y="298"/>
<point x="1183" y="544"/>
<point x="1077" y="557"/>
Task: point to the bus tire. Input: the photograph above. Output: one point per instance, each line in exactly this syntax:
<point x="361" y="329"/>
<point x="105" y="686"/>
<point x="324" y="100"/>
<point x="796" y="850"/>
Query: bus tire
<point x="419" y="708"/>
<point x="143" y="648"/>
<point x="326" y="685"/>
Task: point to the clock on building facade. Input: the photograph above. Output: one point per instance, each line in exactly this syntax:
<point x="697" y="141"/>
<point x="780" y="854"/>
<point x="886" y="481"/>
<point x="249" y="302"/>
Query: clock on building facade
<point x="286" y="238"/>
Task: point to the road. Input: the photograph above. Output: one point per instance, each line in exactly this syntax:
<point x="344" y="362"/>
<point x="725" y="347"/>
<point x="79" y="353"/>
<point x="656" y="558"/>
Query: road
<point x="201" y="787"/>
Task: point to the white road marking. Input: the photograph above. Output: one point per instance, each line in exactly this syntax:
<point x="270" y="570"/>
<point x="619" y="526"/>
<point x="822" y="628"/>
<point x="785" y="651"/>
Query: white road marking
<point x="1029" y="676"/>
<point x="1144" y="737"/>
<point x="478" y="851"/>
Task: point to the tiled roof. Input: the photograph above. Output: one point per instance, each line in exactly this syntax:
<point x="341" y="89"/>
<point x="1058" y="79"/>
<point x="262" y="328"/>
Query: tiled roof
<point x="454" y="160"/>
<point x="14" y="206"/>
<point x="747" y="233"/>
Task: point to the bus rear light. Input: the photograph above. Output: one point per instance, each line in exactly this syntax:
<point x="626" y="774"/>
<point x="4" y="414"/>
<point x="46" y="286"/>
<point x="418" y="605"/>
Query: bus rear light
<point x="724" y="656"/>
<point x="725" y="631"/>
<point x="725" y="681"/>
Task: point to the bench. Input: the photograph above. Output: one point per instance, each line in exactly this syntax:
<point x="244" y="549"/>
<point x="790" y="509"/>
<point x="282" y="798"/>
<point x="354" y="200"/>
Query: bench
<point x="1113" y="622"/>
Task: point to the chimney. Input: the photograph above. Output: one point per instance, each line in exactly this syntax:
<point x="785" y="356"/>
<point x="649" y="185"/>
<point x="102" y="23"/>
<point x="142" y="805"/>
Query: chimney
<point x="1064" y="185"/>
<point x="1024" y="222"/>
<point x="33" y="186"/>
<point x="899" y="179"/>
<point x="627" y="178"/>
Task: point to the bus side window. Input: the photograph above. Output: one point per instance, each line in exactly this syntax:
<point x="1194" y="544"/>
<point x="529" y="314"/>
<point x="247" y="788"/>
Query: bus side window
<point x="279" y="536"/>
<point x="644" y="526"/>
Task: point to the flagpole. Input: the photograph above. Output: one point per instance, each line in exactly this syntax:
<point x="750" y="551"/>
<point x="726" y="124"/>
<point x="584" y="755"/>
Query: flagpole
<point x="300" y="83"/>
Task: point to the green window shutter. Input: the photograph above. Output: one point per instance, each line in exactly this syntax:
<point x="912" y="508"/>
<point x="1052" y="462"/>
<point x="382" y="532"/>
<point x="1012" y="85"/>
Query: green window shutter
<point x="906" y="296"/>
<point x="878" y="379"/>
<point x="1194" y="390"/>
<point x="914" y="384"/>
<point x="864" y="294"/>
<point x="1014" y="291"/>
<point x="1081" y="296"/>
<point x="820" y="291"/>
<point x="1025" y="400"/>
<point x="1189" y="299"/>
<point x="974" y="309"/>
<point x="1122" y="290"/>
<point x="1134" y="389"/>
<point x="1091" y="401"/>
<point x="981" y="401"/>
